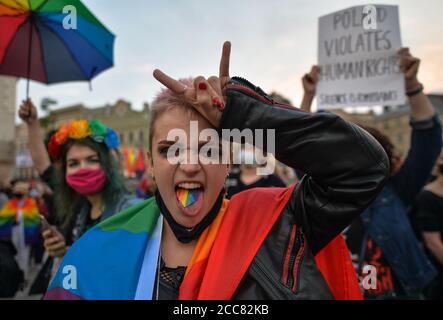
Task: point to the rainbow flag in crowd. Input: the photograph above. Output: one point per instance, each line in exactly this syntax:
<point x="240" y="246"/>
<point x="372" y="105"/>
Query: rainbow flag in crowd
<point x="129" y="160"/>
<point x="118" y="258"/>
<point x="9" y="217"/>
<point x="108" y="260"/>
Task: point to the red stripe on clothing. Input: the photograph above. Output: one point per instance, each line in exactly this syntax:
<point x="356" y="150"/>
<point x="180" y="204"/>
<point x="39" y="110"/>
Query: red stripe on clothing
<point x="247" y="222"/>
<point x="334" y="261"/>
<point x="288" y="255"/>
<point x="298" y="259"/>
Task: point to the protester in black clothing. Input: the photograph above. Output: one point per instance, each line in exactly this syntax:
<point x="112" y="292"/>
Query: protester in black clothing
<point x="11" y="277"/>
<point x="382" y="238"/>
<point x="428" y="216"/>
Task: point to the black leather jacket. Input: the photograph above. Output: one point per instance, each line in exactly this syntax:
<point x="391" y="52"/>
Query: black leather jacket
<point x="345" y="170"/>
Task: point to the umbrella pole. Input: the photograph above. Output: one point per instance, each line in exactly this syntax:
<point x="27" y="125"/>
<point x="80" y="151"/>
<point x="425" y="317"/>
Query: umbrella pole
<point x="31" y="29"/>
<point x="27" y="88"/>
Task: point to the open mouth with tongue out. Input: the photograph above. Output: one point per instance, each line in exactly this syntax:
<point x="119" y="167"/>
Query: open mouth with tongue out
<point x="189" y="197"/>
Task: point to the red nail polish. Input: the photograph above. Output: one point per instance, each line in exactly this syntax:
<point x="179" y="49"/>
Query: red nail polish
<point x="217" y="101"/>
<point x="202" y="86"/>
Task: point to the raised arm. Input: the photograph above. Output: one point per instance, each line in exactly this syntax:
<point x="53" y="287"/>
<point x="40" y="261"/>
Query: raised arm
<point x="40" y="157"/>
<point x="426" y="133"/>
<point x="309" y="82"/>
<point x="345" y="166"/>
<point x="421" y="107"/>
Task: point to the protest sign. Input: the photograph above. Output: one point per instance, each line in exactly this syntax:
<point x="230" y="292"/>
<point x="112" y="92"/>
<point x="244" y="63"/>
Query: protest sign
<point x="357" y="55"/>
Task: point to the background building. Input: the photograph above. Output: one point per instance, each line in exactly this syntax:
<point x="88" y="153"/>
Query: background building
<point x="133" y="128"/>
<point x="393" y="122"/>
<point x="131" y="125"/>
<point x="7" y="126"/>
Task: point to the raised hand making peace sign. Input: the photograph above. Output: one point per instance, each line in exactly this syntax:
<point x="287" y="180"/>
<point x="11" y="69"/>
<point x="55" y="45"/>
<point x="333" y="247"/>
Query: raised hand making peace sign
<point x="207" y="96"/>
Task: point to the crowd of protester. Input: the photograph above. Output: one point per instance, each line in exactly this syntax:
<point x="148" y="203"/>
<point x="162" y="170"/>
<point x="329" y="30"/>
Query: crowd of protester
<point x="400" y="233"/>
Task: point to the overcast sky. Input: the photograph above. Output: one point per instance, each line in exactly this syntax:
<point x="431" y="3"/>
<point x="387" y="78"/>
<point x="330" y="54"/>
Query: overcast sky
<point x="273" y="44"/>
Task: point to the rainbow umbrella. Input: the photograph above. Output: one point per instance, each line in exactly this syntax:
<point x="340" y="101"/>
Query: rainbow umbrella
<point x="52" y="41"/>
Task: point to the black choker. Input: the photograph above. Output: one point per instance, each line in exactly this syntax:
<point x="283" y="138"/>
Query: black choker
<point x="184" y="234"/>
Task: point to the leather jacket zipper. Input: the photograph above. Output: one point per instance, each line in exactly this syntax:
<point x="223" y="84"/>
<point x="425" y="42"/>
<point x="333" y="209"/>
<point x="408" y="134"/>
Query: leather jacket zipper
<point x="288" y="256"/>
<point x="293" y="258"/>
<point x="298" y="261"/>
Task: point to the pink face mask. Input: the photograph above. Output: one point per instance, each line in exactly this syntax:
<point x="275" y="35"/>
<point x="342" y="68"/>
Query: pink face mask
<point x="87" y="181"/>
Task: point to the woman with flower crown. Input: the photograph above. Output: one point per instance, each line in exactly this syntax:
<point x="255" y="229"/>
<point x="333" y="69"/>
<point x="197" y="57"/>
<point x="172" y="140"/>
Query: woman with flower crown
<point x="88" y="187"/>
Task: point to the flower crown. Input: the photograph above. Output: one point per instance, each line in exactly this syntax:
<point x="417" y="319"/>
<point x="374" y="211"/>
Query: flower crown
<point x="80" y="129"/>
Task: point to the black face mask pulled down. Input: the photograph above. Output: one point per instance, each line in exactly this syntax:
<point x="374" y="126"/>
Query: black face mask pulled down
<point x="183" y="234"/>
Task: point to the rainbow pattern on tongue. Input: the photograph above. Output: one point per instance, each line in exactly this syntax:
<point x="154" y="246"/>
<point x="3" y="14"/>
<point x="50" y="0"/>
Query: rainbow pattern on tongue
<point x="187" y="197"/>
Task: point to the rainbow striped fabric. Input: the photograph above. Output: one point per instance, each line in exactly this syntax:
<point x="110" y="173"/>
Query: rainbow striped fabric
<point x="118" y="258"/>
<point x="187" y="197"/>
<point x="9" y="217"/>
<point x="107" y="261"/>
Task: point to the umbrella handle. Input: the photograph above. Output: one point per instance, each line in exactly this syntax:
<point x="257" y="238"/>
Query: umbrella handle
<point x="27" y="88"/>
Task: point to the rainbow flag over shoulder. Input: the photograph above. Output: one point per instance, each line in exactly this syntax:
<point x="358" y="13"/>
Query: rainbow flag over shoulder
<point x="118" y="258"/>
<point x="106" y="263"/>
